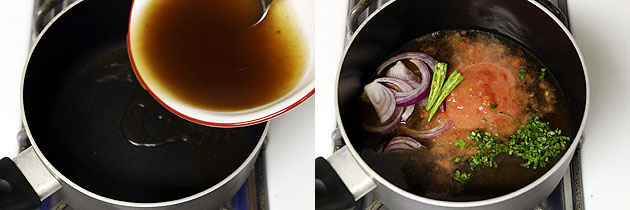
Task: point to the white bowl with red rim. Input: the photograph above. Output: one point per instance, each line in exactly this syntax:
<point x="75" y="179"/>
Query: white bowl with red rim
<point x="304" y="18"/>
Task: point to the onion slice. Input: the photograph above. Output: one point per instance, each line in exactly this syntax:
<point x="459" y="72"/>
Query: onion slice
<point x="399" y="84"/>
<point x="399" y="143"/>
<point x="400" y="71"/>
<point x="428" y="60"/>
<point x="395" y="96"/>
<point x="404" y="93"/>
<point x="422" y="91"/>
<point x="427" y="134"/>
<point x="407" y="111"/>
<point x="382" y="100"/>
<point x="425" y="64"/>
<point x="387" y="127"/>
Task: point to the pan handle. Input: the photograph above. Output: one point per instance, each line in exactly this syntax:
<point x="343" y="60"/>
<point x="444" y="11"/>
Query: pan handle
<point x="25" y="181"/>
<point x="330" y="192"/>
<point x="340" y="181"/>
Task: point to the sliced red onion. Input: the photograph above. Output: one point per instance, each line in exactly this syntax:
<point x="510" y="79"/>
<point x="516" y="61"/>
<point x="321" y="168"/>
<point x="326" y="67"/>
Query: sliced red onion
<point x="443" y="107"/>
<point x="382" y="100"/>
<point x="391" y="125"/>
<point x="409" y="98"/>
<point x="397" y="147"/>
<point x="399" y="84"/>
<point x="422" y="66"/>
<point x="399" y="143"/>
<point x="428" y="60"/>
<point x="407" y="111"/>
<point x="414" y="84"/>
<point x="402" y="91"/>
<point x="400" y="71"/>
<point x="425" y="64"/>
<point x="405" y="87"/>
<point x="427" y="134"/>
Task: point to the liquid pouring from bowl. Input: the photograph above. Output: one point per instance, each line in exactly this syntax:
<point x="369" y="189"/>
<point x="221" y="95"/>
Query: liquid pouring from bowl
<point x="207" y="63"/>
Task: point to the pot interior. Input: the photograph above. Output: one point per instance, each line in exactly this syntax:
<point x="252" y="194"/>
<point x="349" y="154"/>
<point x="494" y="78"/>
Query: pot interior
<point x="404" y="20"/>
<point x="83" y="105"/>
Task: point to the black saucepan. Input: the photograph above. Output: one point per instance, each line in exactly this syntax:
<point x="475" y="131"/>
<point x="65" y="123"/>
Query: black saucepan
<point x="101" y="140"/>
<point x="346" y="177"/>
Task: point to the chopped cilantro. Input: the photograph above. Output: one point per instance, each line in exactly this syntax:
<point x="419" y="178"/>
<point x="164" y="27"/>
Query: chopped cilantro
<point x="483" y="120"/>
<point x="542" y="73"/>
<point x="494" y="105"/>
<point x="461" y="143"/>
<point x="521" y="74"/>
<point x="457" y="159"/>
<point x="461" y="177"/>
<point x="487" y="149"/>
<point x="537" y="143"/>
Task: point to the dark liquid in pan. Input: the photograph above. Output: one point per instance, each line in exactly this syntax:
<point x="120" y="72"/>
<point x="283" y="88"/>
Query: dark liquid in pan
<point x="102" y="106"/>
<point x="491" y="65"/>
<point x="203" y="53"/>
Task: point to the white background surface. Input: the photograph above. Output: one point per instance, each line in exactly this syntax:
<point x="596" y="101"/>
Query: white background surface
<point x="15" y="36"/>
<point x="601" y="28"/>
<point x="330" y="34"/>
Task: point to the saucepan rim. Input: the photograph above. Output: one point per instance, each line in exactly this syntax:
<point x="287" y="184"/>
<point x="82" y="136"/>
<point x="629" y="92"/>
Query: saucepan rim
<point x="58" y="175"/>
<point x="382" y="181"/>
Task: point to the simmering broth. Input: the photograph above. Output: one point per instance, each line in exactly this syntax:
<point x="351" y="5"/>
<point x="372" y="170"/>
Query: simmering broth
<point x="204" y="54"/>
<point x="494" y="88"/>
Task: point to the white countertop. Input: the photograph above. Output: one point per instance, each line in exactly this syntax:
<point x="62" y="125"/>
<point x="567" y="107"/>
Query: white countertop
<point x="330" y="30"/>
<point x="602" y="31"/>
<point x="15" y="37"/>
